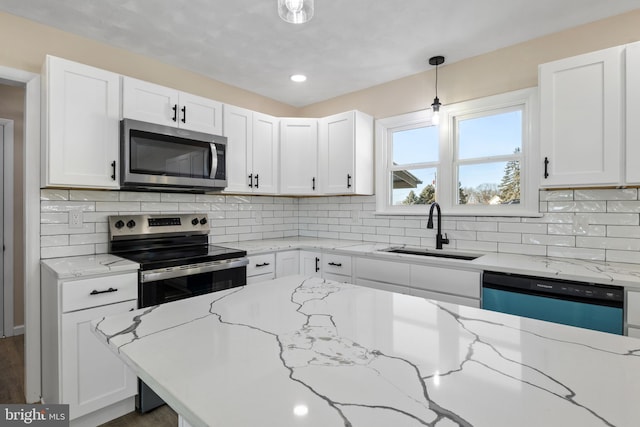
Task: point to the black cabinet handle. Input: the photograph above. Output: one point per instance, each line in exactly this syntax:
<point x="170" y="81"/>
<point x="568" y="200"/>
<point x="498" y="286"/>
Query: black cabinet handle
<point x="184" y="114"/>
<point x="113" y="170"/>
<point x="264" y="264"/>
<point x="175" y="112"/>
<point x="546" y="167"/>
<point x="251" y="181"/>
<point x="348" y="181"/>
<point x="257" y="181"/>
<point x="313" y="184"/>
<point x="94" y="292"/>
<point x="317" y="264"/>
<point x="336" y="264"/>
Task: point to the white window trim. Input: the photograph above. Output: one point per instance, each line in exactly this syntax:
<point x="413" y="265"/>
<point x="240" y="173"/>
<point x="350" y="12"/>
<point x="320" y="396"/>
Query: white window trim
<point x="446" y="191"/>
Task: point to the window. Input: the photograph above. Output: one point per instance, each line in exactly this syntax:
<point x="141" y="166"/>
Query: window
<point x="477" y="162"/>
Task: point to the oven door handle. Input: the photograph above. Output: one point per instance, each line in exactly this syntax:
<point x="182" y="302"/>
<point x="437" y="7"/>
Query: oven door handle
<point x="188" y="270"/>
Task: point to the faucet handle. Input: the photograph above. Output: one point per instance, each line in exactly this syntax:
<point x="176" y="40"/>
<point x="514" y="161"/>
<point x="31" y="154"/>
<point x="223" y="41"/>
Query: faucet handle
<point x="445" y="240"/>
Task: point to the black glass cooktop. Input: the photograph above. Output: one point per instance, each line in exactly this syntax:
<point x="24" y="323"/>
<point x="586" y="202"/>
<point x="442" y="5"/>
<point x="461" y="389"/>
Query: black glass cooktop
<point x="170" y="257"/>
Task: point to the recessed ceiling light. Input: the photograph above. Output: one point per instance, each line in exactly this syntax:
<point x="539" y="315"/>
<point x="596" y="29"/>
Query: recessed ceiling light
<point x="298" y="78"/>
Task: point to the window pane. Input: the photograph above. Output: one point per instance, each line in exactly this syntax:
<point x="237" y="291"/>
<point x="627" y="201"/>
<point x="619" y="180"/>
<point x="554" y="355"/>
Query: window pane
<point x="489" y="183"/>
<point x="413" y="186"/>
<point x="418" y="145"/>
<point x="498" y="134"/>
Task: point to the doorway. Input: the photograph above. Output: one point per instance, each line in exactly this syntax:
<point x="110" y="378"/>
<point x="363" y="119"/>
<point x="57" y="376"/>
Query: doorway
<point x="6" y="227"/>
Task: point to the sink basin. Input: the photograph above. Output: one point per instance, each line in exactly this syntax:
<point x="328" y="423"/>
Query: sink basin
<point x="431" y="253"/>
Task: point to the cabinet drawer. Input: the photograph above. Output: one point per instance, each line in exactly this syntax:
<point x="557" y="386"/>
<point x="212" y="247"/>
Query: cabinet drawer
<point x="454" y="299"/>
<point x="337" y="264"/>
<point x="450" y="281"/>
<point x="633" y="308"/>
<point x="382" y="271"/>
<point x="96" y="291"/>
<point x="261" y="264"/>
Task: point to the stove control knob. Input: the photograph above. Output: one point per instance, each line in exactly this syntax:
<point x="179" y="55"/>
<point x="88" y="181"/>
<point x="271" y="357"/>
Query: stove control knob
<point x="203" y="221"/>
<point x="131" y="223"/>
<point x="119" y="224"/>
<point x="194" y="221"/>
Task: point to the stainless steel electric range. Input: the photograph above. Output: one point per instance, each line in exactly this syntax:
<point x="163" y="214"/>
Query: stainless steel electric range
<point x="176" y="262"/>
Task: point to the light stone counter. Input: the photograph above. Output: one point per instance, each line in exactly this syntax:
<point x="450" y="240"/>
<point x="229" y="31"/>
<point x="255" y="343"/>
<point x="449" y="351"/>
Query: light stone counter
<point x="609" y="273"/>
<point x="88" y="265"/>
<point x="302" y="351"/>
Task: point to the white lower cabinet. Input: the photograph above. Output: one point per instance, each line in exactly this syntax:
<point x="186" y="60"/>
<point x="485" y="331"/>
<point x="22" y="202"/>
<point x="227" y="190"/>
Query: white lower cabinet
<point x="311" y="263"/>
<point x="287" y="263"/>
<point x="78" y="369"/>
<point x="438" y="283"/>
<point x="261" y="267"/>
<point x="633" y="314"/>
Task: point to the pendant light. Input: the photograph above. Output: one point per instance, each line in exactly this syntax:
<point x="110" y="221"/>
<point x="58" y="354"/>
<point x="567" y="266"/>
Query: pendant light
<point x="435" y="107"/>
<point x="295" y="11"/>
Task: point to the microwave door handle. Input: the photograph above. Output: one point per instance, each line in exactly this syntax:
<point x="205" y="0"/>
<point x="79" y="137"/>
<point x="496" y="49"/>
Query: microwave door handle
<point x="214" y="160"/>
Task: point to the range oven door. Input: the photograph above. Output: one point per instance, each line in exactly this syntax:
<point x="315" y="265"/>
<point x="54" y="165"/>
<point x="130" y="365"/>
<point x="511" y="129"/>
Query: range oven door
<point x="166" y="285"/>
<point x="155" y="155"/>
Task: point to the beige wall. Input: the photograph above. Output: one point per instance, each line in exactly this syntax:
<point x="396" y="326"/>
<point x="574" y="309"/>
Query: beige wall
<point x="12" y="108"/>
<point x="503" y="70"/>
<point x="24" y="44"/>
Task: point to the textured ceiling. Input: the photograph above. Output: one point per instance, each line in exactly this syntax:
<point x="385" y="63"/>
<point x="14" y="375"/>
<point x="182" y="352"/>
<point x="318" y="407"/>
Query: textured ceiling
<point x="347" y="46"/>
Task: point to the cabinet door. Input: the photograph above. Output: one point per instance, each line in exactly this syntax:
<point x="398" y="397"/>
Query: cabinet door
<point x="337" y="147"/>
<point x="580" y="119"/>
<point x="82" y="126"/>
<point x="311" y="263"/>
<point x="264" y="154"/>
<point x="200" y="114"/>
<point x="299" y="156"/>
<point x="287" y="263"/>
<point x="92" y="376"/>
<point x="238" y="129"/>
<point x="149" y="102"/>
<point x="633" y="113"/>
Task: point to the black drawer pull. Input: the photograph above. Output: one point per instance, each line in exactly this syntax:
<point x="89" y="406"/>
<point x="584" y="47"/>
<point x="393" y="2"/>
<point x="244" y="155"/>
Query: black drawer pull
<point x="546" y="167"/>
<point x="336" y="264"/>
<point x="264" y="264"/>
<point x="94" y="292"/>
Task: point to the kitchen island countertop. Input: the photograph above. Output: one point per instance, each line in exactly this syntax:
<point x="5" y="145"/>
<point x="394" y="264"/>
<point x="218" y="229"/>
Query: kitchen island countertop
<point x="300" y="351"/>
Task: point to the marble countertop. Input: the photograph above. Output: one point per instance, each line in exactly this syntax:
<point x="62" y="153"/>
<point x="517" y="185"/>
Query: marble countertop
<point x="608" y="273"/>
<point x="88" y="265"/>
<point x="309" y="352"/>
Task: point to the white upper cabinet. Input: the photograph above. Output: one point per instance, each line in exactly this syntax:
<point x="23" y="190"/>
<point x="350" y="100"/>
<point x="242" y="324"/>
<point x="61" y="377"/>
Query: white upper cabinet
<point x="80" y="125"/>
<point x="149" y="102"/>
<point x="299" y="156"/>
<point x="633" y="113"/>
<point x="346" y="153"/>
<point x="252" y="151"/>
<point x="581" y="102"/>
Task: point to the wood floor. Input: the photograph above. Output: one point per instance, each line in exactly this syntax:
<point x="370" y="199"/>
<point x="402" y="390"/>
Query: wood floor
<point x="12" y="389"/>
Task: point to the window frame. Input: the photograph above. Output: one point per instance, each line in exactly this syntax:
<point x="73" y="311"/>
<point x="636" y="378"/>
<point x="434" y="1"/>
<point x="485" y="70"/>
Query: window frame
<point x="446" y="191"/>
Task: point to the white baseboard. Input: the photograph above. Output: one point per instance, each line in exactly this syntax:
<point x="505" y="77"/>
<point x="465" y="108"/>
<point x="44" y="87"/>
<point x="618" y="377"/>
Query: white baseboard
<point x="18" y="330"/>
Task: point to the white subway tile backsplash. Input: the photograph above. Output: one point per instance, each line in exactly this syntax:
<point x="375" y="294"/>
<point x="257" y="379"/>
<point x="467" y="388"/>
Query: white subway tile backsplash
<point x="584" y="224"/>
<point x="612" y="194"/>
<point x="623" y="206"/>
<point x="577" y="253"/>
<point x="546" y="196"/>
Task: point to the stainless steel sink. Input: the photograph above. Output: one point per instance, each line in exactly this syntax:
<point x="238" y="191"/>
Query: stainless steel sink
<point x="431" y="253"/>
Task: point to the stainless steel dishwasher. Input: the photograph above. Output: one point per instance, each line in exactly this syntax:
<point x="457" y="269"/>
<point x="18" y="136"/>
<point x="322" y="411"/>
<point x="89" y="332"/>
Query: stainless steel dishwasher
<point x="586" y="305"/>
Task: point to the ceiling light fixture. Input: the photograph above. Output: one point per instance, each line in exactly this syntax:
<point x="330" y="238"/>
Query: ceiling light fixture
<point x="435" y="107"/>
<point x="298" y="78"/>
<point x="295" y="11"/>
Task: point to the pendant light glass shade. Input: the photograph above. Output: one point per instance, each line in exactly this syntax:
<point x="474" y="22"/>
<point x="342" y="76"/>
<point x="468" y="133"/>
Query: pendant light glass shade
<point x="435" y="107"/>
<point x="295" y="11"/>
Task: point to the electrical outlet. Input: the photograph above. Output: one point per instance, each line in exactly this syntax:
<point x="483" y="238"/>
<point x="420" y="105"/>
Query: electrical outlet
<point x="75" y="218"/>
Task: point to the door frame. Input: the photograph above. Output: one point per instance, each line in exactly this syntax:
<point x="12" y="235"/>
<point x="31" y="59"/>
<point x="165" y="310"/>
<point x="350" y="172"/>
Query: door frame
<point x="31" y="179"/>
<point x="7" y="126"/>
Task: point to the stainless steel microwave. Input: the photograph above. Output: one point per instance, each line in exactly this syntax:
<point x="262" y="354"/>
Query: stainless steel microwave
<point x="166" y="158"/>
